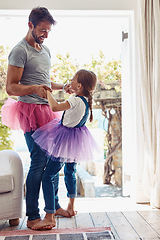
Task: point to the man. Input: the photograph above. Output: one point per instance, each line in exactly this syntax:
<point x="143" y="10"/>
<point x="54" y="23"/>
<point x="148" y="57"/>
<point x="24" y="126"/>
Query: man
<point x="28" y="77"/>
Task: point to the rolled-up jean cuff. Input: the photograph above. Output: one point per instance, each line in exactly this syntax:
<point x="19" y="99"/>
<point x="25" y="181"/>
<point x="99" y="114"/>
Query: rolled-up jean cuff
<point x="57" y="207"/>
<point x="33" y="218"/>
<point x="71" y="195"/>
<point x="49" y="211"/>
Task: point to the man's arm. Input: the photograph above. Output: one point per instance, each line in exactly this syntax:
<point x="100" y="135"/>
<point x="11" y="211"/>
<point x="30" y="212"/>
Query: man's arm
<point x="13" y="87"/>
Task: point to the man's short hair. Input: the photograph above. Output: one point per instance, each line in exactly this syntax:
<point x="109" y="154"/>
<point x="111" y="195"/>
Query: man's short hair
<point x="40" y="14"/>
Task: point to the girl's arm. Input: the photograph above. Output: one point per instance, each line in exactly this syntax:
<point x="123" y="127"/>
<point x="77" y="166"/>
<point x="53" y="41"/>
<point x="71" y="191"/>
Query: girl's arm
<point x="55" y="106"/>
<point x="58" y="86"/>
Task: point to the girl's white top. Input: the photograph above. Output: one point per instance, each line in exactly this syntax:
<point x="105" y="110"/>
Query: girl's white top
<point x="76" y="112"/>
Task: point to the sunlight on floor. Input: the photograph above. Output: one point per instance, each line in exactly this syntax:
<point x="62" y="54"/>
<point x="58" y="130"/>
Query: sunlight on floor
<point x="97" y="204"/>
<point x="88" y="205"/>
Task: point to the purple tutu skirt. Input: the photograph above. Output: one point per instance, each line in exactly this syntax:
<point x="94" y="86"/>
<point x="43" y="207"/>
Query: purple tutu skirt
<point x="66" y="144"/>
<point x="26" y="116"/>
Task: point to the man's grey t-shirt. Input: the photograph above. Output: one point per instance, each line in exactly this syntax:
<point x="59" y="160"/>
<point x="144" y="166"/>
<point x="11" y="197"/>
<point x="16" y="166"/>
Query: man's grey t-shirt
<point x="36" y="66"/>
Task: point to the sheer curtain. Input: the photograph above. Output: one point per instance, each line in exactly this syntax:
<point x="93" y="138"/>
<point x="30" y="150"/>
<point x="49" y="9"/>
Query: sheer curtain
<point x="149" y="46"/>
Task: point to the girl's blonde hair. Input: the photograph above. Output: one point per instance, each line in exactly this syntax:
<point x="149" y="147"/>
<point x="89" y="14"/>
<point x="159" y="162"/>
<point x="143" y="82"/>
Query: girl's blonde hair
<point x="88" y="80"/>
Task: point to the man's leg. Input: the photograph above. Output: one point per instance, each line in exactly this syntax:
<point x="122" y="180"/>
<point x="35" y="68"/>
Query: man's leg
<point x="56" y="188"/>
<point x="48" y="186"/>
<point x="34" y="177"/>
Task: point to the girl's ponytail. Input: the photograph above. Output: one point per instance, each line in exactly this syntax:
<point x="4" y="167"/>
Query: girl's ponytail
<point x="90" y="107"/>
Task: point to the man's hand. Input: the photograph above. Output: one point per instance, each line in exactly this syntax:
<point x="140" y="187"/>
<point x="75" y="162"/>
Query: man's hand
<point x="41" y="90"/>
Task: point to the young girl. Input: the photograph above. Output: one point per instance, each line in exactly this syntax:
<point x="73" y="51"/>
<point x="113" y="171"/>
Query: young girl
<point x="66" y="142"/>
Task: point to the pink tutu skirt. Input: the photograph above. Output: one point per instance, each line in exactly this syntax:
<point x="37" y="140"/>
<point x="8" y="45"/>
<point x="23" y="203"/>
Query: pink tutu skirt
<point x="26" y="116"/>
<point x="66" y="144"/>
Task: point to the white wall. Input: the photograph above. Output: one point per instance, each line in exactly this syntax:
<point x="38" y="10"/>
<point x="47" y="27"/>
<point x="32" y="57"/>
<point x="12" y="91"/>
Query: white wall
<point x="70" y="4"/>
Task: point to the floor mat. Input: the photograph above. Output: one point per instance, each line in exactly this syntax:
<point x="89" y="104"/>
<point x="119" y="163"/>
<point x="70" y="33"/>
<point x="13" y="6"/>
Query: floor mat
<point x="60" y="234"/>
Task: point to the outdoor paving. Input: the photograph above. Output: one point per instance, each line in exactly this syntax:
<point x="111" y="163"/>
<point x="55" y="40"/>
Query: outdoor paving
<point x="101" y="190"/>
<point x="106" y="190"/>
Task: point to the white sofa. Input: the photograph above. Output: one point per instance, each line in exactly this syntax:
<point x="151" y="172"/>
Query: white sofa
<point x="11" y="186"/>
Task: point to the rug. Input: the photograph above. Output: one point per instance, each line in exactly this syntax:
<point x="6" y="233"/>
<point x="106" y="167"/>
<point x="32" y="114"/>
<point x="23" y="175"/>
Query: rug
<point x="59" y="234"/>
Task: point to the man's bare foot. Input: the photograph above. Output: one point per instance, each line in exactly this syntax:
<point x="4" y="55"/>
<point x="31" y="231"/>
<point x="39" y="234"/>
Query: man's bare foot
<point x="30" y="224"/>
<point x="62" y="212"/>
<point x="44" y="224"/>
<point x="71" y="210"/>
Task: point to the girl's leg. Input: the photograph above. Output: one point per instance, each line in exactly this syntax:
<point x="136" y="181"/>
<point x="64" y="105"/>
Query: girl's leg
<point x="59" y="211"/>
<point x="70" y="182"/>
<point x="70" y="207"/>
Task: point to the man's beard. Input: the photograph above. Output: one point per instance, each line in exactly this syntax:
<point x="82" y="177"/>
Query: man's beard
<point x="36" y="38"/>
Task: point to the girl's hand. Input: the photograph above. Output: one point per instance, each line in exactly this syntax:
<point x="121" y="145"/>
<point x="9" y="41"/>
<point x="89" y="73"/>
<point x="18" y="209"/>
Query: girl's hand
<point x="41" y="90"/>
<point x="68" y="89"/>
<point x="46" y="88"/>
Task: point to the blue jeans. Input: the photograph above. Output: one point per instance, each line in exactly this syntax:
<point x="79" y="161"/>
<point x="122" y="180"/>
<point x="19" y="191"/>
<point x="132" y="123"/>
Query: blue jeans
<point x="34" y="177"/>
<point x="50" y="177"/>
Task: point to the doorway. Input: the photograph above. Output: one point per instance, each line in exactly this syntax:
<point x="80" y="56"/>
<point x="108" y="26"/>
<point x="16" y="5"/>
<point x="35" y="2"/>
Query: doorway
<point x="83" y="34"/>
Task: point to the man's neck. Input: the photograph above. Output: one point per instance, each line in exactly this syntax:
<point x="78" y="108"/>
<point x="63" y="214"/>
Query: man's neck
<point x="32" y="42"/>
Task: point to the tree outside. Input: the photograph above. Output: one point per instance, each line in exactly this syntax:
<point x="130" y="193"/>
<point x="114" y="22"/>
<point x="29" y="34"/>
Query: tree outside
<point x="3" y="71"/>
<point x="108" y="75"/>
<point x="5" y="141"/>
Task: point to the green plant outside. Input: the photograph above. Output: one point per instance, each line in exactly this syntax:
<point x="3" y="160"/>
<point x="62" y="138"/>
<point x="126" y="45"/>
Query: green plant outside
<point x="5" y="134"/>
<point x="61" y="72"/>
<point x="66" y="67"/>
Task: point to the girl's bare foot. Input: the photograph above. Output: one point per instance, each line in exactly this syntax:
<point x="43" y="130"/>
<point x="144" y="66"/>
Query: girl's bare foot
<point x="30" y="224"/>
<point x="62" y="212"/>
<point x="70" y="210"/>
<point x="44" y="224"/>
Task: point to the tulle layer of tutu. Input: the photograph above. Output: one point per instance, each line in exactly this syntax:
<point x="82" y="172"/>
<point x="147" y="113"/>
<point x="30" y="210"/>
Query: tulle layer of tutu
<point x="66" y="144"/>
<point x="26" y="116"/>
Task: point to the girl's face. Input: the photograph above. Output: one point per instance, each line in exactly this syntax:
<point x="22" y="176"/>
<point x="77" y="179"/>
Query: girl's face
<point x="74" y="83"/>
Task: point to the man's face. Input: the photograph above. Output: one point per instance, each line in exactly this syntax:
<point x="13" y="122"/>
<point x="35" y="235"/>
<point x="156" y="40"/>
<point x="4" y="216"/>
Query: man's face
<point x="40" y="32"/>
